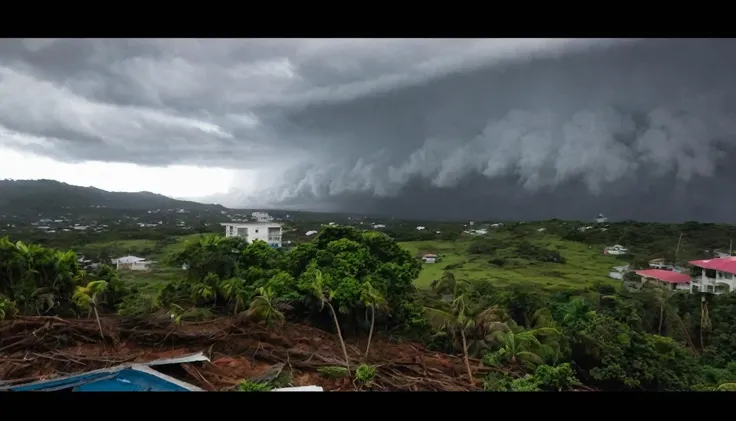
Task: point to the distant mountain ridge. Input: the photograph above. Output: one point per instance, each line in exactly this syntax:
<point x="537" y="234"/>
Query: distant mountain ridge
<point x="47" y="195"/>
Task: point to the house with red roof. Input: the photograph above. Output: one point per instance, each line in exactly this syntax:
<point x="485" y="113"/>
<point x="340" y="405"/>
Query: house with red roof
<point x="672" y="280"/>
<point x="717" y="276"/>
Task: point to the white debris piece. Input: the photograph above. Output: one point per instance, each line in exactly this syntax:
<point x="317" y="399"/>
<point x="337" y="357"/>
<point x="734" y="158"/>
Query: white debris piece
<point x="300" y="389"/>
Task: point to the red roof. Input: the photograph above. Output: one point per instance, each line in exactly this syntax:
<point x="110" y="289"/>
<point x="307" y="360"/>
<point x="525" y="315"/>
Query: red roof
<point x="665" y="275"/>
<point x="726" y="264"/>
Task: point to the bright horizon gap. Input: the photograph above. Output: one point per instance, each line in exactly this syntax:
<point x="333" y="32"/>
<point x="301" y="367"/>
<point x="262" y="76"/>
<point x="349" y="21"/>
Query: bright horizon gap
<point x="177" y="181"/>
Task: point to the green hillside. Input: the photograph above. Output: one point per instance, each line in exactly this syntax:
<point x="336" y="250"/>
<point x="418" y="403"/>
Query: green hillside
<point x="49" y="195"/>
<point x="583" y="265"/>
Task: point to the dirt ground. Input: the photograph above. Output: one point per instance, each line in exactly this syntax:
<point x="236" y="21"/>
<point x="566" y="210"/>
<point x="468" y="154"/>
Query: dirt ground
<point x="33" y="348"/>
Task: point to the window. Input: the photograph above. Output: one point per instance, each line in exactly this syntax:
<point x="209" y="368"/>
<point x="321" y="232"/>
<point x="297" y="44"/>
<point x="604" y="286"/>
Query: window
<point x="256" y="231"/>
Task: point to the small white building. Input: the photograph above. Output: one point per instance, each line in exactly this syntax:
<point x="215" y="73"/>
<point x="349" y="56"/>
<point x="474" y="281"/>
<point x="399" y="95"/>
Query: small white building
<point x="132" y="263"/>
<point x="618" y="272"/>
<point x="429" y="258"/>
<point x="601" y="219"/>
<point x="616" y="250"/>
<point x="262" y="216"/>
<point x="269" y="232"/>
<point x="667" y="279"/>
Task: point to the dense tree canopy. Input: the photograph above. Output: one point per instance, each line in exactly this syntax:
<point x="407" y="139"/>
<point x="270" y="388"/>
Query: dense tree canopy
<point x="360" y="283"/>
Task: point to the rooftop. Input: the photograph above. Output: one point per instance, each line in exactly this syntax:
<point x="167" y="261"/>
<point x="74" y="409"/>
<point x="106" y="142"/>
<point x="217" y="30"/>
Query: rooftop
<point x="129" y="259"/>
<point x="725" y="264"/>
<point x="665" y="276"/>
<point x="249" y="224"/>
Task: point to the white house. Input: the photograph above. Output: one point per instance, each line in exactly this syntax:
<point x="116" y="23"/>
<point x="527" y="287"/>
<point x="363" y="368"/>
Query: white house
<point x="668" y="279"/>
<point x="310" y="233"/>
<point x="661" y="263"/>
<point x="429" y="258"/>
<point x="616" y="250"/>
<point x="618" y="272"/>
<point x="131" y="263"/>
<point x="262" y="216"/>
<point x="601" y="219"/>
<point x="724" y="270"/>
<point x="269" y="232"/>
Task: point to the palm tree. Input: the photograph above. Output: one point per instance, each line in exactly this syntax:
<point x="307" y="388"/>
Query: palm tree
<point x="727" y="387"/>
<point x="488" y="321"/>
<point x="369" y="296"/>
<point x="87" y="298"/>
<point x="705" y="322"/>
<point x="666" y="311"/>
<point x="574" y="310"/>
<point x="45" y="300"/>
<point x="6" y="308"/>
<point x="456" y="323"/>
<point x="318" y="291"/>
<point x="233" y="289"/>
<point x="203" y="291"/>
<point x="523" y="346"/>
<point x="263" y="308"/>
<point x="463" y="322"/>
<point x="447" y="284"/>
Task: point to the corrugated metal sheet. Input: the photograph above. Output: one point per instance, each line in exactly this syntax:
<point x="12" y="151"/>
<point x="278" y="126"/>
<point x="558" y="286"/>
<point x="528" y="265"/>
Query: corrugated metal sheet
<point x="123" y="378"/>
<point x="190" y="358"/>
<point x="300" y="389"/>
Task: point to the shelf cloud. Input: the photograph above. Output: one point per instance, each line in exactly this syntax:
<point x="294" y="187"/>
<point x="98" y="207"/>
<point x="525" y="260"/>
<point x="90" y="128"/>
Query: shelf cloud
<point x="462" y="128"/>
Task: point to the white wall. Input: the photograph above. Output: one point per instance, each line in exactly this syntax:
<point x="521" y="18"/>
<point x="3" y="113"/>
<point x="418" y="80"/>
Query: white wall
<point x="140" y="266"/>
<point x="704" y="284"/>
<point x="256" y="231"/>
<point x="616" y="275"/>
<point x="682" y="287"/>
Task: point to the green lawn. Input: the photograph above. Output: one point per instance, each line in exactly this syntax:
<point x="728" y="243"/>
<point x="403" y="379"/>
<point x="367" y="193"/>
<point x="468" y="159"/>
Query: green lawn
<point x="584" y="265"/>
<point x="123" y="244"/>
<point x="181" y="242"/>
<point x="121" y="247"/>
<point x="149" y="283"/>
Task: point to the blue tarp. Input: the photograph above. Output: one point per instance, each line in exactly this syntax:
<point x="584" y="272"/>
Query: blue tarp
<point x="124" y="378"/>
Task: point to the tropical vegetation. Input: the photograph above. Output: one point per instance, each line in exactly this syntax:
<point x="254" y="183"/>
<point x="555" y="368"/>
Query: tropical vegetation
<point x="360" y="284"/>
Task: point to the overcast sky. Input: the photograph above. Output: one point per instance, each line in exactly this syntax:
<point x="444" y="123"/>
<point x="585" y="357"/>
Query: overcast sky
<point x="463" y="128"/>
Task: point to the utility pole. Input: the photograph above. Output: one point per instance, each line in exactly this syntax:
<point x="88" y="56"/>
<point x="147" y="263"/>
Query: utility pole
<point x="677" y="251"/>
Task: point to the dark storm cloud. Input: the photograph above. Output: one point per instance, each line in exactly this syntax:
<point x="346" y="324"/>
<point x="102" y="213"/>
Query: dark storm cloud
<point x="428" y="128"/>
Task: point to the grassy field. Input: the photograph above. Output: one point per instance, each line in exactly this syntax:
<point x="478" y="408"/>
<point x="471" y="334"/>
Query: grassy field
<point x="122" y="247"/>
<point x="584" y="264"/>
<point x="149" y="283"/>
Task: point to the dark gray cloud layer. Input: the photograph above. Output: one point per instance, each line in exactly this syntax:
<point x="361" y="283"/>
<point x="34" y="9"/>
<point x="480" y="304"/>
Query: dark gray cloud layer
<point x="521" y="129"/>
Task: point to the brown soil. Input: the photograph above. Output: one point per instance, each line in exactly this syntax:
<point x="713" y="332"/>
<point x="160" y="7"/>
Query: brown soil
<point x="33" y="348"/>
